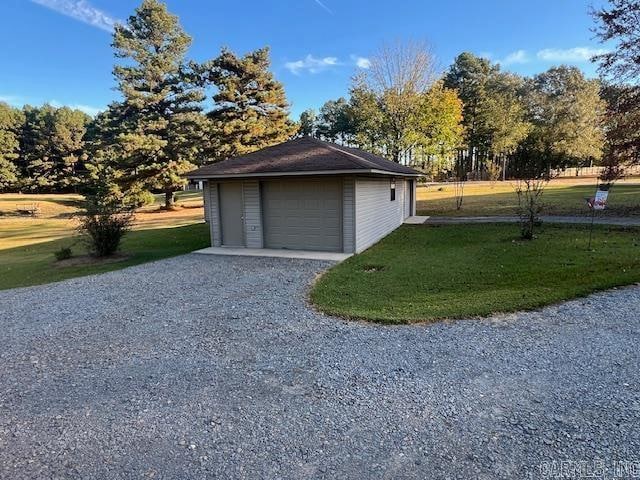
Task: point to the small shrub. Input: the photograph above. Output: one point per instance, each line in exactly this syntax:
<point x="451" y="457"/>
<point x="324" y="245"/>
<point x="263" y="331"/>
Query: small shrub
<point x="139" y="198"/>
<point x="63" y="254"/>
<point x="494" y="171"/>
<point x="529" y="193"/>
<point x="103" y="226"/>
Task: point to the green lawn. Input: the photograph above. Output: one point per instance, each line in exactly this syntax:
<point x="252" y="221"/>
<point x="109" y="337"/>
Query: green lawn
<point x="426" y="273"/>
<point x="499" y="198"/>
<point x="35" y="264"/>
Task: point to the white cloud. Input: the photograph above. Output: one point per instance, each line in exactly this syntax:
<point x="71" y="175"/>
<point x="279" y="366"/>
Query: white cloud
<point x="577" y="54"/>
<point x="519" y="56"/>
<point x="324" y="6"/>
<point x="11" y="100"/>
<point x="311" y="64"/>
<point x="361" y="62"/>
<point x="18" y="101"/>
<point x="81" y="10"/>
<point x="91" y="111"/>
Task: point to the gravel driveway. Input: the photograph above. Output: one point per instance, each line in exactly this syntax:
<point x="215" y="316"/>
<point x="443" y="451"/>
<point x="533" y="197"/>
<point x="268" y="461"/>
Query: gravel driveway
<point x="213" y="367"/>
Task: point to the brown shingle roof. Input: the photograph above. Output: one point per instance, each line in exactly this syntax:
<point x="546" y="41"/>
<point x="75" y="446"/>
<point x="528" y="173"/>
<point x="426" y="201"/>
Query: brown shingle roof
<point x="302" y="155"/>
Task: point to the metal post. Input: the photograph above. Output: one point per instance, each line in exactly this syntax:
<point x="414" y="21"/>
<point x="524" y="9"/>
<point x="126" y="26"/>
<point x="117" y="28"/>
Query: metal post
<point x="593" y="214"/>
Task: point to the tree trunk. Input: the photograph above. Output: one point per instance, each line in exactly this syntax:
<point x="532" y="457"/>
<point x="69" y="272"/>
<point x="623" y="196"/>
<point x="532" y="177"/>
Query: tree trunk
<point x="169" y="199"/>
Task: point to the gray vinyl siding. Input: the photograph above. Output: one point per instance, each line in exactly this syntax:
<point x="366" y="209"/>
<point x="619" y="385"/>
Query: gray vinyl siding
<point x="376" y="214"/>
<point x="368" y="214"/>
<point x="211" y="201"/>
<point x="205" y="199"/>
<point x="415" y="197"/>
<point x="348" y="215"/>
<point x="252" y="214"/>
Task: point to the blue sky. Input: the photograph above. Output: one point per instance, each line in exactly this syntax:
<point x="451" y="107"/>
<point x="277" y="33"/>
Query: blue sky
<point x="59" y="51"/>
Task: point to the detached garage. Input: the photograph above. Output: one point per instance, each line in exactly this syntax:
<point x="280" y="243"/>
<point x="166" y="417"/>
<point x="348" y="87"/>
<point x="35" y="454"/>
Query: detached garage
<point x="306" y="194"/>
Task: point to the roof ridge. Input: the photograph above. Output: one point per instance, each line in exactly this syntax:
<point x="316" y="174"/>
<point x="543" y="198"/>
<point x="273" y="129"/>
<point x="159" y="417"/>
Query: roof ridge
<point x="333" y="146"/>
<point x="303" y="155"/>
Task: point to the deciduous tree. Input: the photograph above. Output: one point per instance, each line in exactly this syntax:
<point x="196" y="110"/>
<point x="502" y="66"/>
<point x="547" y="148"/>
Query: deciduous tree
<point x="335" y="122"/>
<point x="400" y="74"/>
<point x="566" y="112"/>
<point x="505" y="115"/>
<point x="438" y="122"/>
<point x="619" y="24"/>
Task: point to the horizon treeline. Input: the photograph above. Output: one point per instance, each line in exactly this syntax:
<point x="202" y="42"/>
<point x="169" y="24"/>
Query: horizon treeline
<point x="474" y="121"/>
<point x="475" y="114"/>
<point x="159" y="129"/>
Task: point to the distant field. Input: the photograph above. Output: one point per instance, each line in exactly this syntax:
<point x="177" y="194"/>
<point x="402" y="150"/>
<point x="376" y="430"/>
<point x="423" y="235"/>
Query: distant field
<point x="562" y="197"/>
<point x="56" y="219"/>
<point x="27" y="244"/>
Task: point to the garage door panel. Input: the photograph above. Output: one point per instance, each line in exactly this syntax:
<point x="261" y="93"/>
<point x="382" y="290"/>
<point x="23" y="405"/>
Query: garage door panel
<point x="303" y="214"/>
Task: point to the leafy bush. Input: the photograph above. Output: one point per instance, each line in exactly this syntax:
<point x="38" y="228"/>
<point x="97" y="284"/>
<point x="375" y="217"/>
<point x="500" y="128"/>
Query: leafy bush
<point x="139" y="198"/>
<point x="104" y="225"/>
<point x="63" y="254"/>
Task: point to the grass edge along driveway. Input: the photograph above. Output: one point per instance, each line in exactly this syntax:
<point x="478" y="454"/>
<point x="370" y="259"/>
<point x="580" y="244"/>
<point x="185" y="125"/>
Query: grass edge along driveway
<point x="35" y="264"/>
<point x="426" y="273"/>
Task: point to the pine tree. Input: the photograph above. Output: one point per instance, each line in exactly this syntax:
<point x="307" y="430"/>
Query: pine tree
<point x="11" y="123"/>
<point x="70" y="127"/>
<point x="470" y="76"/>
<point x="308" y="124"/>
<point x="251" y="110"/>
<point x="52" y="144"/>
<point x="160" y="116"/>
<point x="37" y="160"/>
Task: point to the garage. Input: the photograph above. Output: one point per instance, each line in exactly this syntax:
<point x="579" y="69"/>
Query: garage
<point x="305" y="194"/>
<point x="302" y="215"/>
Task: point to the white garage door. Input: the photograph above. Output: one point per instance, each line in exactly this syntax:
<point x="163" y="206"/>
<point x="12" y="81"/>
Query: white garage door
<point x="302" y="214"/>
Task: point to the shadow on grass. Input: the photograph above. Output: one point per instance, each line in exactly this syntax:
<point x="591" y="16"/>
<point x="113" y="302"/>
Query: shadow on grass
<point x="65" y="202"/>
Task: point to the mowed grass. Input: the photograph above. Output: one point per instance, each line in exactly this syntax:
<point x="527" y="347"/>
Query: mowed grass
<point x="35" y="264"/>
<point x="426" y="273"/>
<point x="57" y="216"/>
<point x="27" y="244"/>
<point x="561" y="197"/>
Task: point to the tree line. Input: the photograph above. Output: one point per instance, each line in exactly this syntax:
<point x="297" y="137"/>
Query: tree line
<point x="473" y="121"/>
<point x="42" y="148"/>
<point x="159" y="130"/>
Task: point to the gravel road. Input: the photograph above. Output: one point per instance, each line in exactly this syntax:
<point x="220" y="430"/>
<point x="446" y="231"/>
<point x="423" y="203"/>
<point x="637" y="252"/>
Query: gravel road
<point x="213" y="367"/>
